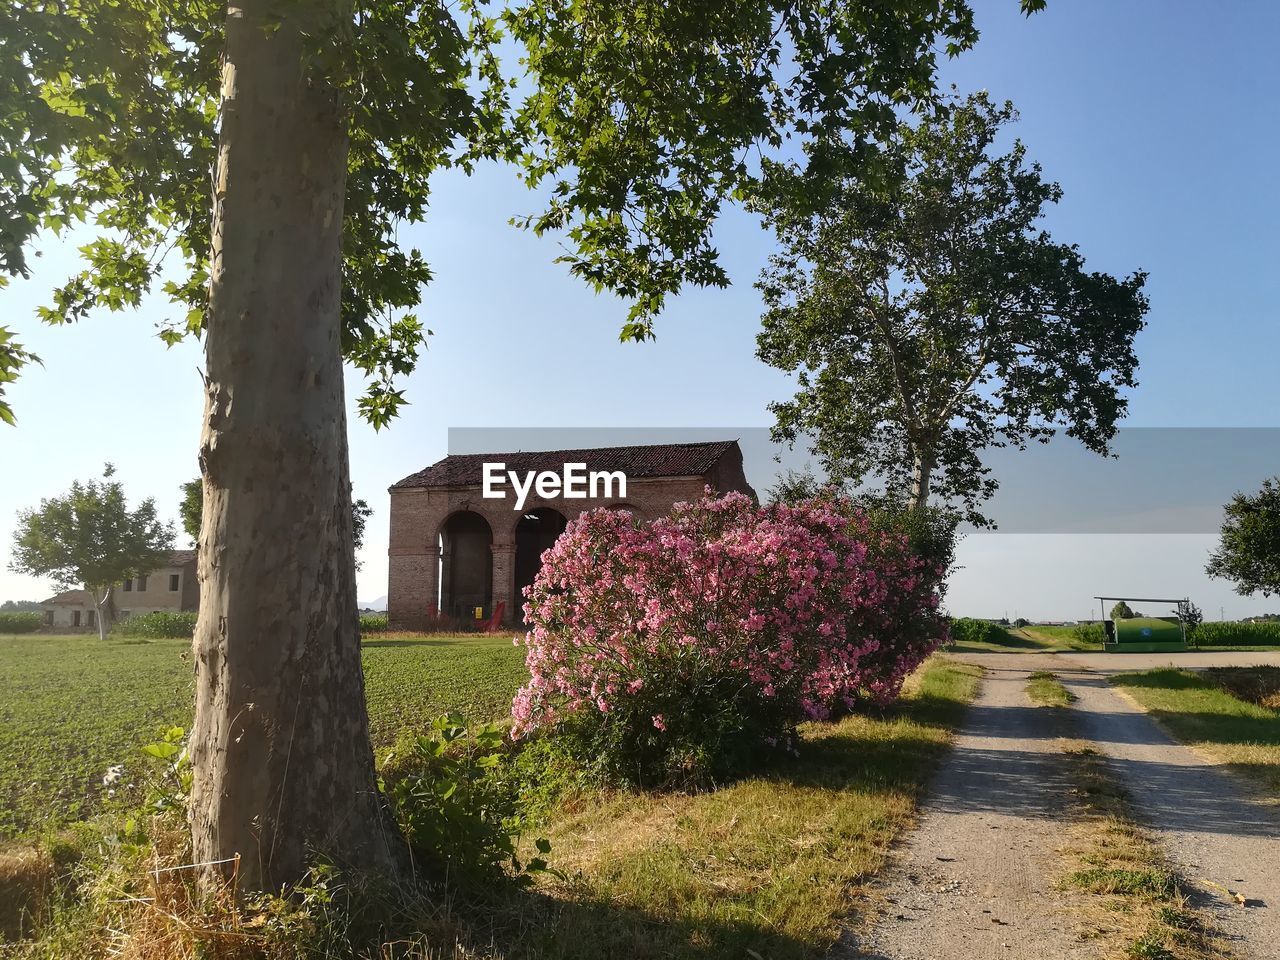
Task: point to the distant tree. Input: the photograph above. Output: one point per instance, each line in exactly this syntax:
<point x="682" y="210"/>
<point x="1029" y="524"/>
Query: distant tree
<point x="928" y="316"/>
<point x="192" y="504"/>
<point x="190" y="507"/>
<point x="1249" y="551"/>
<point x="91" y="538"/>
<point x="1190" y="616"/>
<point x="794" y="486"/>
<point x="1122" y="611"/>
<point x="19" y="606"/>
<point x="360" y="514"/>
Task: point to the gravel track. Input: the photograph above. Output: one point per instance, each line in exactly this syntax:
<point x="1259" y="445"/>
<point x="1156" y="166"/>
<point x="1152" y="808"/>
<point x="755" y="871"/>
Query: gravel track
<point x="1212" y="825"/>
<point x="975" y="880"/>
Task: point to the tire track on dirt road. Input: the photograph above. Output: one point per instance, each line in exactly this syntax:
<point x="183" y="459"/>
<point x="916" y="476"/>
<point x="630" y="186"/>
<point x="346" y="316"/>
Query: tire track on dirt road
<point x="1211" y="824"/>
<point x="976" y="878"/>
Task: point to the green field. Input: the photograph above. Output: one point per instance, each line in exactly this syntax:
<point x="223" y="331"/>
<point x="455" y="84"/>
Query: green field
<point x="72" y="706"/>
<point x="1027" y="639"/>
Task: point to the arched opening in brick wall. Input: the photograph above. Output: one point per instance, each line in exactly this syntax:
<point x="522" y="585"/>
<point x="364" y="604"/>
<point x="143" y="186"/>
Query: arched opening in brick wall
<point x="536" y="531"/>
<point x="466" y="565"/>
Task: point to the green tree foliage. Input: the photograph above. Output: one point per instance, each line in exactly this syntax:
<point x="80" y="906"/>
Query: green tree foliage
<point x="1249" y="551"/>
<point x="969" y="630"/>
<point x="12" y="358"/>
<point x="928" y="316"/>
<point x="193" y="494"/>
<point x="89" y="537"/>
<point x="1122" y="611"/>
<point x="1191" y="617"/>
<point x="190" y="506"/>
<point x="634" y="122"/>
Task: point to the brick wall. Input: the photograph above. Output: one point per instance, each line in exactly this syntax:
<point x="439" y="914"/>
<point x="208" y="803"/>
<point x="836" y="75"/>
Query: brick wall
<point x="418" y="515"/>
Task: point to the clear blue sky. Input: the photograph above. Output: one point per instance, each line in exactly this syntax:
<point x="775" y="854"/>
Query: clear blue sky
<point x="1156" y="119"/>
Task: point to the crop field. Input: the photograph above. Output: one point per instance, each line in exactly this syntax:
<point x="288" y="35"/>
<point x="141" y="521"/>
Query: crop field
<point x="70" y="707"/>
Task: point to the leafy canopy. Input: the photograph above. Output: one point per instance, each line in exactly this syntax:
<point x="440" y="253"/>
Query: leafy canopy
<point x="1249" y="552"/>
<point x="928" y="316"/>
<point x="634" y="120"/>
<point x="89" y="537"/>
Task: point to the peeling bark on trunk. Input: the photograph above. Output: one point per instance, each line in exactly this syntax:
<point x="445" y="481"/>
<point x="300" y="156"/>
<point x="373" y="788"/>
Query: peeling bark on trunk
<point x="283" y="768"/>
<point x="920" y="482"/>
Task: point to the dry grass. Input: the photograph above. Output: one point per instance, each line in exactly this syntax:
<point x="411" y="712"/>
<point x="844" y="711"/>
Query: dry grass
<point x="26" y="884"/>
<point x="1258" y="685"/>
<point x="1137" y="906"/>
<point x="773" y="864"/>
<point x="1046" y="690"/>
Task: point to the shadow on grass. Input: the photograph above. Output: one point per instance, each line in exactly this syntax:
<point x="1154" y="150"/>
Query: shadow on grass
<point x="517" y="924"/>
<point x="857" y="771"/>
<point x="1235" y="721"/>
<point x="1170" y="679"/>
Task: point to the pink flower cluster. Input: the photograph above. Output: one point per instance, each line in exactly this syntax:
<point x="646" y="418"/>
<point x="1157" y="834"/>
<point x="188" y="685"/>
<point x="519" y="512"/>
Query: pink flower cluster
<point x="806" y="608"/>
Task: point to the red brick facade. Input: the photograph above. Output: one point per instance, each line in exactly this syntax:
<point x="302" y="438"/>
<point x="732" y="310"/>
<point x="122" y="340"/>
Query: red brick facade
<point x="440" y="522"/>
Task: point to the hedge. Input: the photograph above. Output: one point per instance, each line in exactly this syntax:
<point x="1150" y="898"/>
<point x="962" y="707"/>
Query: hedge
<point x="373" y="623"/>
<point x="969" y="630"/>
<point x="19" y="622"/>
<point x="161" y="625"/>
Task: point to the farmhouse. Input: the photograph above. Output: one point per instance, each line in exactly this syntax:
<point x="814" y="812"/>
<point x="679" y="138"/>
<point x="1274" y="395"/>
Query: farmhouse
<point x="171" y="587"/>
<point x="468" y="532"/>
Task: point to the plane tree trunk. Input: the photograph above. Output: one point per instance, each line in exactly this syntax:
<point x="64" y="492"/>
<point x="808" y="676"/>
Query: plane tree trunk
<point x="282" y="764"/>
<point x="922" y="473"/>
<point x="102" y="608"/>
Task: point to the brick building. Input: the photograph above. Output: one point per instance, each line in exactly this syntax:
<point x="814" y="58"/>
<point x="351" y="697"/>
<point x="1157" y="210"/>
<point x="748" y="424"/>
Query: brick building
<point x="455" y="551"/>
<point x="171" y="587"/>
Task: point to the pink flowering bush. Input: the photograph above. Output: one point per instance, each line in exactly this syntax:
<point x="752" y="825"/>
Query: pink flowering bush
<point x="682" y="650"/>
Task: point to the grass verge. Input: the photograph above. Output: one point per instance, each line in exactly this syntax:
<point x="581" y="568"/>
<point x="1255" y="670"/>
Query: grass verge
<point x="1192" y="708"/>
<point x="1044" y="688"/>
<point x="766" y="867"/>
<point x="1136" y="905"/>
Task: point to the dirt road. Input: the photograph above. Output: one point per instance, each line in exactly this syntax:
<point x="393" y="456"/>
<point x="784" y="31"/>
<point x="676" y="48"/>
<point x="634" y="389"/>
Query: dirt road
<point x="976" y="879"/>
<point x="1212" y="825"/>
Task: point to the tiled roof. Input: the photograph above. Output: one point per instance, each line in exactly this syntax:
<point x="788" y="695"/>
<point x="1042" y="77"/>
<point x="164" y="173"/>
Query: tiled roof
<point x="650" y="460"/>
<point x="178" y="558"/>
<point x="74" y="597"/>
